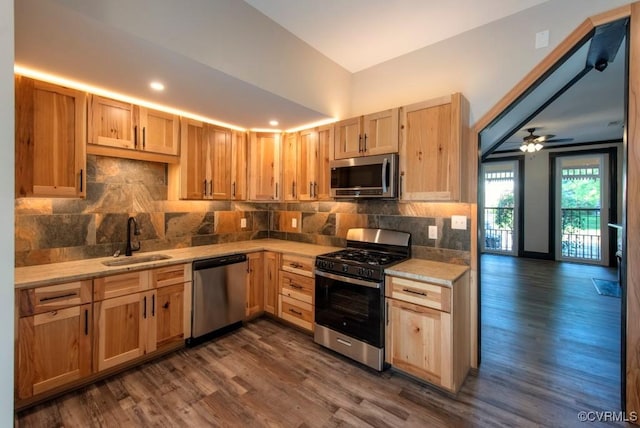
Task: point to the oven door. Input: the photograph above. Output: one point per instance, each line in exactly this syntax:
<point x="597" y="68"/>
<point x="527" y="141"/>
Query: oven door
<point x="353" y="307"/>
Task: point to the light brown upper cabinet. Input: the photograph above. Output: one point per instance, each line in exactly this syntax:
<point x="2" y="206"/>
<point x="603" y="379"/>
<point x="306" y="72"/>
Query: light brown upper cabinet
<point x="239" y="166"/>
<point x="264" y="166"/>
<point x="373" y="134"/>
<point x="432" y="149"/>
<point x="205" y="170"/>
<point x="50" y="140"/>
<point x="121" y="125"/>
<point x="290" y="167"/>
<point x="314" y="154"/>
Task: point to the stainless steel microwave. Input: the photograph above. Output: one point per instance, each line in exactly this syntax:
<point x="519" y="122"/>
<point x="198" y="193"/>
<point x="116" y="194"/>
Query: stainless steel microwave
<point x="365" y="177"/>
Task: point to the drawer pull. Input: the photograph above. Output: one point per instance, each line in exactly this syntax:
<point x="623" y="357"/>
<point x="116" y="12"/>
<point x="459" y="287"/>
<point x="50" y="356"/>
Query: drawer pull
<point x="62" y="296"/>
<point x="293" y="311"/>
<point x="296" y="265"/>
<point x="296" y="286"/>
<point x="420" y="293"/>
<point x="344" y="342"/>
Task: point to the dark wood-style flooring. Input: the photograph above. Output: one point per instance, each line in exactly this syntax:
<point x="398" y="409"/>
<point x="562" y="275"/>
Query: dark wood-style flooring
<point x="550" y="345"/>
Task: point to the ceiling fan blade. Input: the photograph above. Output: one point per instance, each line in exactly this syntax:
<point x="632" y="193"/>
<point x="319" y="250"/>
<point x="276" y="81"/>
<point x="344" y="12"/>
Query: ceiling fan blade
<point x="543" y="138"/>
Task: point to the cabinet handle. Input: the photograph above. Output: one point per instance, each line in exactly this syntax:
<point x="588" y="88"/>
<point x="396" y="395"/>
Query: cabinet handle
<point x="296" y="286"/>
<point x="153" y="305"/>
<point x="144" y="311"/>
<point x="86" y="322"/>
<point x="293" y="311"/>
<point x="311" y="189"/>
<point x="210" y="187"/>
<point x="400" y="184"/>
<point x="276" y="190"/>
<point x="295" y="265"/>
<point x="62" y="296"/>
<point x="359" y="143"/>
<point x="165" y="306"/>
<point x="81" y="178"/>
<point x="233" y="189"/>
<point x="204" y="192"/>
<point x="135" y="137"/>
<point x="386" y="312"/>
<point x="315" y="189"/>
<point x="293" y="188"/>
<point x="365" y="143"/>
<point x="420" y="293"/>
<point x="144" y="137"/>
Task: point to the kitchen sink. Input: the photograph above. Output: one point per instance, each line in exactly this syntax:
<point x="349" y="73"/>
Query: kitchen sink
<point x="135" y="260"/>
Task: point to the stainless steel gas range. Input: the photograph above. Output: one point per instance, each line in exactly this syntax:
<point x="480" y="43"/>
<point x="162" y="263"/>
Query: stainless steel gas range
<point x="349" y="293"/>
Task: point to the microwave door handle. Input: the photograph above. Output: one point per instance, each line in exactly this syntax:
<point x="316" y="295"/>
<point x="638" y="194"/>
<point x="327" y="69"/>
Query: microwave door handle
<point x="384" y="175"/>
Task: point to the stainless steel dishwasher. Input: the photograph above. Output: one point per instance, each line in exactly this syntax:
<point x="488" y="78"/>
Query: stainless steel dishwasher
<point x="218" y="296"/>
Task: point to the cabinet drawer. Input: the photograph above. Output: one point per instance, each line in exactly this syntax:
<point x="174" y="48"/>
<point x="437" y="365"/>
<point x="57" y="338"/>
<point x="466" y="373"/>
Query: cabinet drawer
<point x="120" y="285"/>
<point x="420" y="293"/>
<point x="53" y="297"/>
<point x="296" y="312"/>
<point x="170" y="275"/>
<point x="298" y="264"/>
<point x="297" y="286"/>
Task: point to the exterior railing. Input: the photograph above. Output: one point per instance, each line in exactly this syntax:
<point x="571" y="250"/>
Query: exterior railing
<point x="581" y="233"/>
<point x="498" y="229"/>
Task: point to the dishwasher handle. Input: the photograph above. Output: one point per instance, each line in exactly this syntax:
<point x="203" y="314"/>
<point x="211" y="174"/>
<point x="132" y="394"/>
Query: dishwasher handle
<point x="219" y="261"/>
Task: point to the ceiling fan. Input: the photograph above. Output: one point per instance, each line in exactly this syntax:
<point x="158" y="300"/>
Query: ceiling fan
<point x="533" y="143"/>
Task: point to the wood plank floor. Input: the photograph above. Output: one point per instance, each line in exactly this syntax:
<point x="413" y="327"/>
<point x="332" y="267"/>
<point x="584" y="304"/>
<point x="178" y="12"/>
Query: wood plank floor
<point x="550" y="350"/>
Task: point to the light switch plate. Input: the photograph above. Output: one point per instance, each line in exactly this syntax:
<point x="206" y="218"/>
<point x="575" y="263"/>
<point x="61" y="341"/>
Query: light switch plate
<point x="542" y="39"/>
<point x="243" y="222"/>
<point x="433" y="232"/>
<point x="294" y="223"/>
<point x="459" y="222"/>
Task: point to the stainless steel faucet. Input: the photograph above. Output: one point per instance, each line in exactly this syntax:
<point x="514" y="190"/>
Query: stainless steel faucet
<point x="136" y="231"/>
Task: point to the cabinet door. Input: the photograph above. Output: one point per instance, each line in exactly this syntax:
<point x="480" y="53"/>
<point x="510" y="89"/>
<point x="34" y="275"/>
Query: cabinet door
<point x="264" y="167"/>
<point x="158" y="132"/>
<point x="54" y="348"/>
<point x="255" y="292"/>
<point x="347" y="138"/>
<point x="380" y="132"/>
<point x="291" y="162"/>
<point x="430" y="152"/>
<point x="323" y="170"/>
<point x="307" y="160"/>
<point x="219" y="162"/>
<point x="271" y="269"/>
<point x="193" y="161"/>
<point x="418" y="341"/>
<point x="122" y="329"/>
<point x="239" y="166"/>
<point x="168" y="309"/>
<point x="50" y="140"/>
<point x="111" y="123"/>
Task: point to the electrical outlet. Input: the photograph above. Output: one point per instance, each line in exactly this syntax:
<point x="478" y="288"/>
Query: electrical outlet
<point x="294" y="223"/>
<point x="459" y="222"/>
<point x="433" y="232"/>
<point x="243" y="223"/>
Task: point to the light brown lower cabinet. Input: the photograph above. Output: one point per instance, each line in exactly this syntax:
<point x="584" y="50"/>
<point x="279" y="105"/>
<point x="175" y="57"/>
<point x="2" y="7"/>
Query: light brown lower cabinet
<point x="271" y="268"/>
<point x="427" y="330"/>
<point x="255" y="287"/>
<point x="70" y="333"/>
<point x="296" y="291"/>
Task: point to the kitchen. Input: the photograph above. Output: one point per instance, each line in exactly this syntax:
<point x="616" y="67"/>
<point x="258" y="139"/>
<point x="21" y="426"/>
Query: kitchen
<point x="338" y="217"/>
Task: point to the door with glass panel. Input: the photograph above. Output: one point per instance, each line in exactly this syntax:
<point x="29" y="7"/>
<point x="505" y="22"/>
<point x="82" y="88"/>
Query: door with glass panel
<point x="582" y="206"/>
<point x="499" y="214"/>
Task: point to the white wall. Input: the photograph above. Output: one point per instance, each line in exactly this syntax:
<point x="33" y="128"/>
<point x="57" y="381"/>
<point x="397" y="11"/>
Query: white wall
<point x="6" y="213"/>
<point x="483" y="64"/>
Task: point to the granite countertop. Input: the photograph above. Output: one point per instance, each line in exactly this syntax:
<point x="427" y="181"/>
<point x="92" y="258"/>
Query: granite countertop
<point x="426" y="270"/>
<point x="53" y="273"/>
<point x="34" y="276"/>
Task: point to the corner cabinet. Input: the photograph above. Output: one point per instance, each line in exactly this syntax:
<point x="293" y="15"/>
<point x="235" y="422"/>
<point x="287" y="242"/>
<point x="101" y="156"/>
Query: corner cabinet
<point x="433" y="149"/>
<point x="264" y="166"/>
<point x="121" y="129"/>
<point x="255" y="287"/>
<point x="373" y="134"/>
<point x="427" y="330"/>
<point x="271" y="271"/>
<point x="50" y="140"/>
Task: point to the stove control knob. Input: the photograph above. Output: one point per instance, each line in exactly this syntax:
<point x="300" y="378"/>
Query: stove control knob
<point x="370" y="273"/>
<point x="345" y="268"/>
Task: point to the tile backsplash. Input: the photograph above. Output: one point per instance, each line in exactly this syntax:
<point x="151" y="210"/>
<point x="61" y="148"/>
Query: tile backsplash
<point x="55" y="230"/>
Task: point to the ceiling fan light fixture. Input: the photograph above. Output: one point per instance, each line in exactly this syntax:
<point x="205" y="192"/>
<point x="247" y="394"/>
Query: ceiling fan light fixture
<point x="531" y="147"/>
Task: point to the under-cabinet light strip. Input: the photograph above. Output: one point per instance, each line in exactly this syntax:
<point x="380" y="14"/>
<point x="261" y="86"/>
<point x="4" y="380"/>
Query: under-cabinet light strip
<point x="47" y="77"/>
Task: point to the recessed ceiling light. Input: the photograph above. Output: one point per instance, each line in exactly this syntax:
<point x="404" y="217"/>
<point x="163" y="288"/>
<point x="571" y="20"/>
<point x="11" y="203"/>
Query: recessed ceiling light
<point x="156" y="86"/>
<point x="273" y="123"/>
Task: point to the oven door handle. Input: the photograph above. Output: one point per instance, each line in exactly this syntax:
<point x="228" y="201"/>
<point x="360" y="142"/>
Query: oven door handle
<point x="348" y="280"/>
